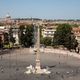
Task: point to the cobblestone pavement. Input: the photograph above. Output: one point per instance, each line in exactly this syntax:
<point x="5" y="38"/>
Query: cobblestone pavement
<point x="62" y="66"/>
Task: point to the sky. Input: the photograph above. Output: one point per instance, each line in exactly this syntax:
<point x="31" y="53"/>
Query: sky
<point x="44" y="9"/>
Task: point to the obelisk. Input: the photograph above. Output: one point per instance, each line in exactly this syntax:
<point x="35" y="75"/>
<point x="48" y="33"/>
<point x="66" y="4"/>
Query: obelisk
<point x="37" y="67"/>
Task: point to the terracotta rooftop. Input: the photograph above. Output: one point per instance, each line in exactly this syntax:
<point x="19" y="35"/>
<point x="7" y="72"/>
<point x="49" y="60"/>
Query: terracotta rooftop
<point x="76" y="29"/>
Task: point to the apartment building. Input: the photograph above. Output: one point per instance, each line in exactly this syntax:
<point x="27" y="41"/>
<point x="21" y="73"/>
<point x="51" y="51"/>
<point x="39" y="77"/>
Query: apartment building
<point x="48" y="31"/>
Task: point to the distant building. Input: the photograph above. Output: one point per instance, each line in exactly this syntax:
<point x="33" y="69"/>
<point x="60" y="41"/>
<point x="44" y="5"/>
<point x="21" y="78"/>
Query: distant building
<point x="76" y="32"/>
<point x="2" y="31"/>
<point x="10" y="23"/>
<point x="48" y="31"/>
<point x="49" y="26"/>
<point x="16" y="35"/>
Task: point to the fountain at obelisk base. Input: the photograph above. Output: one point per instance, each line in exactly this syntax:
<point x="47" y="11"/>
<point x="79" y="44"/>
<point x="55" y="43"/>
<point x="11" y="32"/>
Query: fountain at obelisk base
<point x="37" y="69"/>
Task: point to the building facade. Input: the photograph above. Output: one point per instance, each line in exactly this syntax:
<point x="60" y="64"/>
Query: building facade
<point x="48" y="31"/>
<point x="76" y="32"/>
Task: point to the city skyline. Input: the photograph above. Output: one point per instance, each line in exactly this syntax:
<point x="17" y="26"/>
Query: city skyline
<point x="44" y="9"/>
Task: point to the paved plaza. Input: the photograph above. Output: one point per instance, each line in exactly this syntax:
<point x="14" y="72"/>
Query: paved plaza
<point x="64" y="65"/>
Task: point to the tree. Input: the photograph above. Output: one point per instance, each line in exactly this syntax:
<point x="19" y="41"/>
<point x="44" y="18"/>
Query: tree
<point x="29" y="35"/>
<point x="41" y="37"/>
<point x="6" y="38"/>
<point x="47" y="41"/>
<point x="26" y="35"/>
<point x="1" y="44"/>
<point x="11" y="38"/>
<point x="64" y="36"/>
<point x="75" y="25"/>
<point x="21" y="34"/>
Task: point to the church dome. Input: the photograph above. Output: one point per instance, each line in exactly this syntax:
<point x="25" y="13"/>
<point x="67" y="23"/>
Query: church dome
<point x="8" y="16"/>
